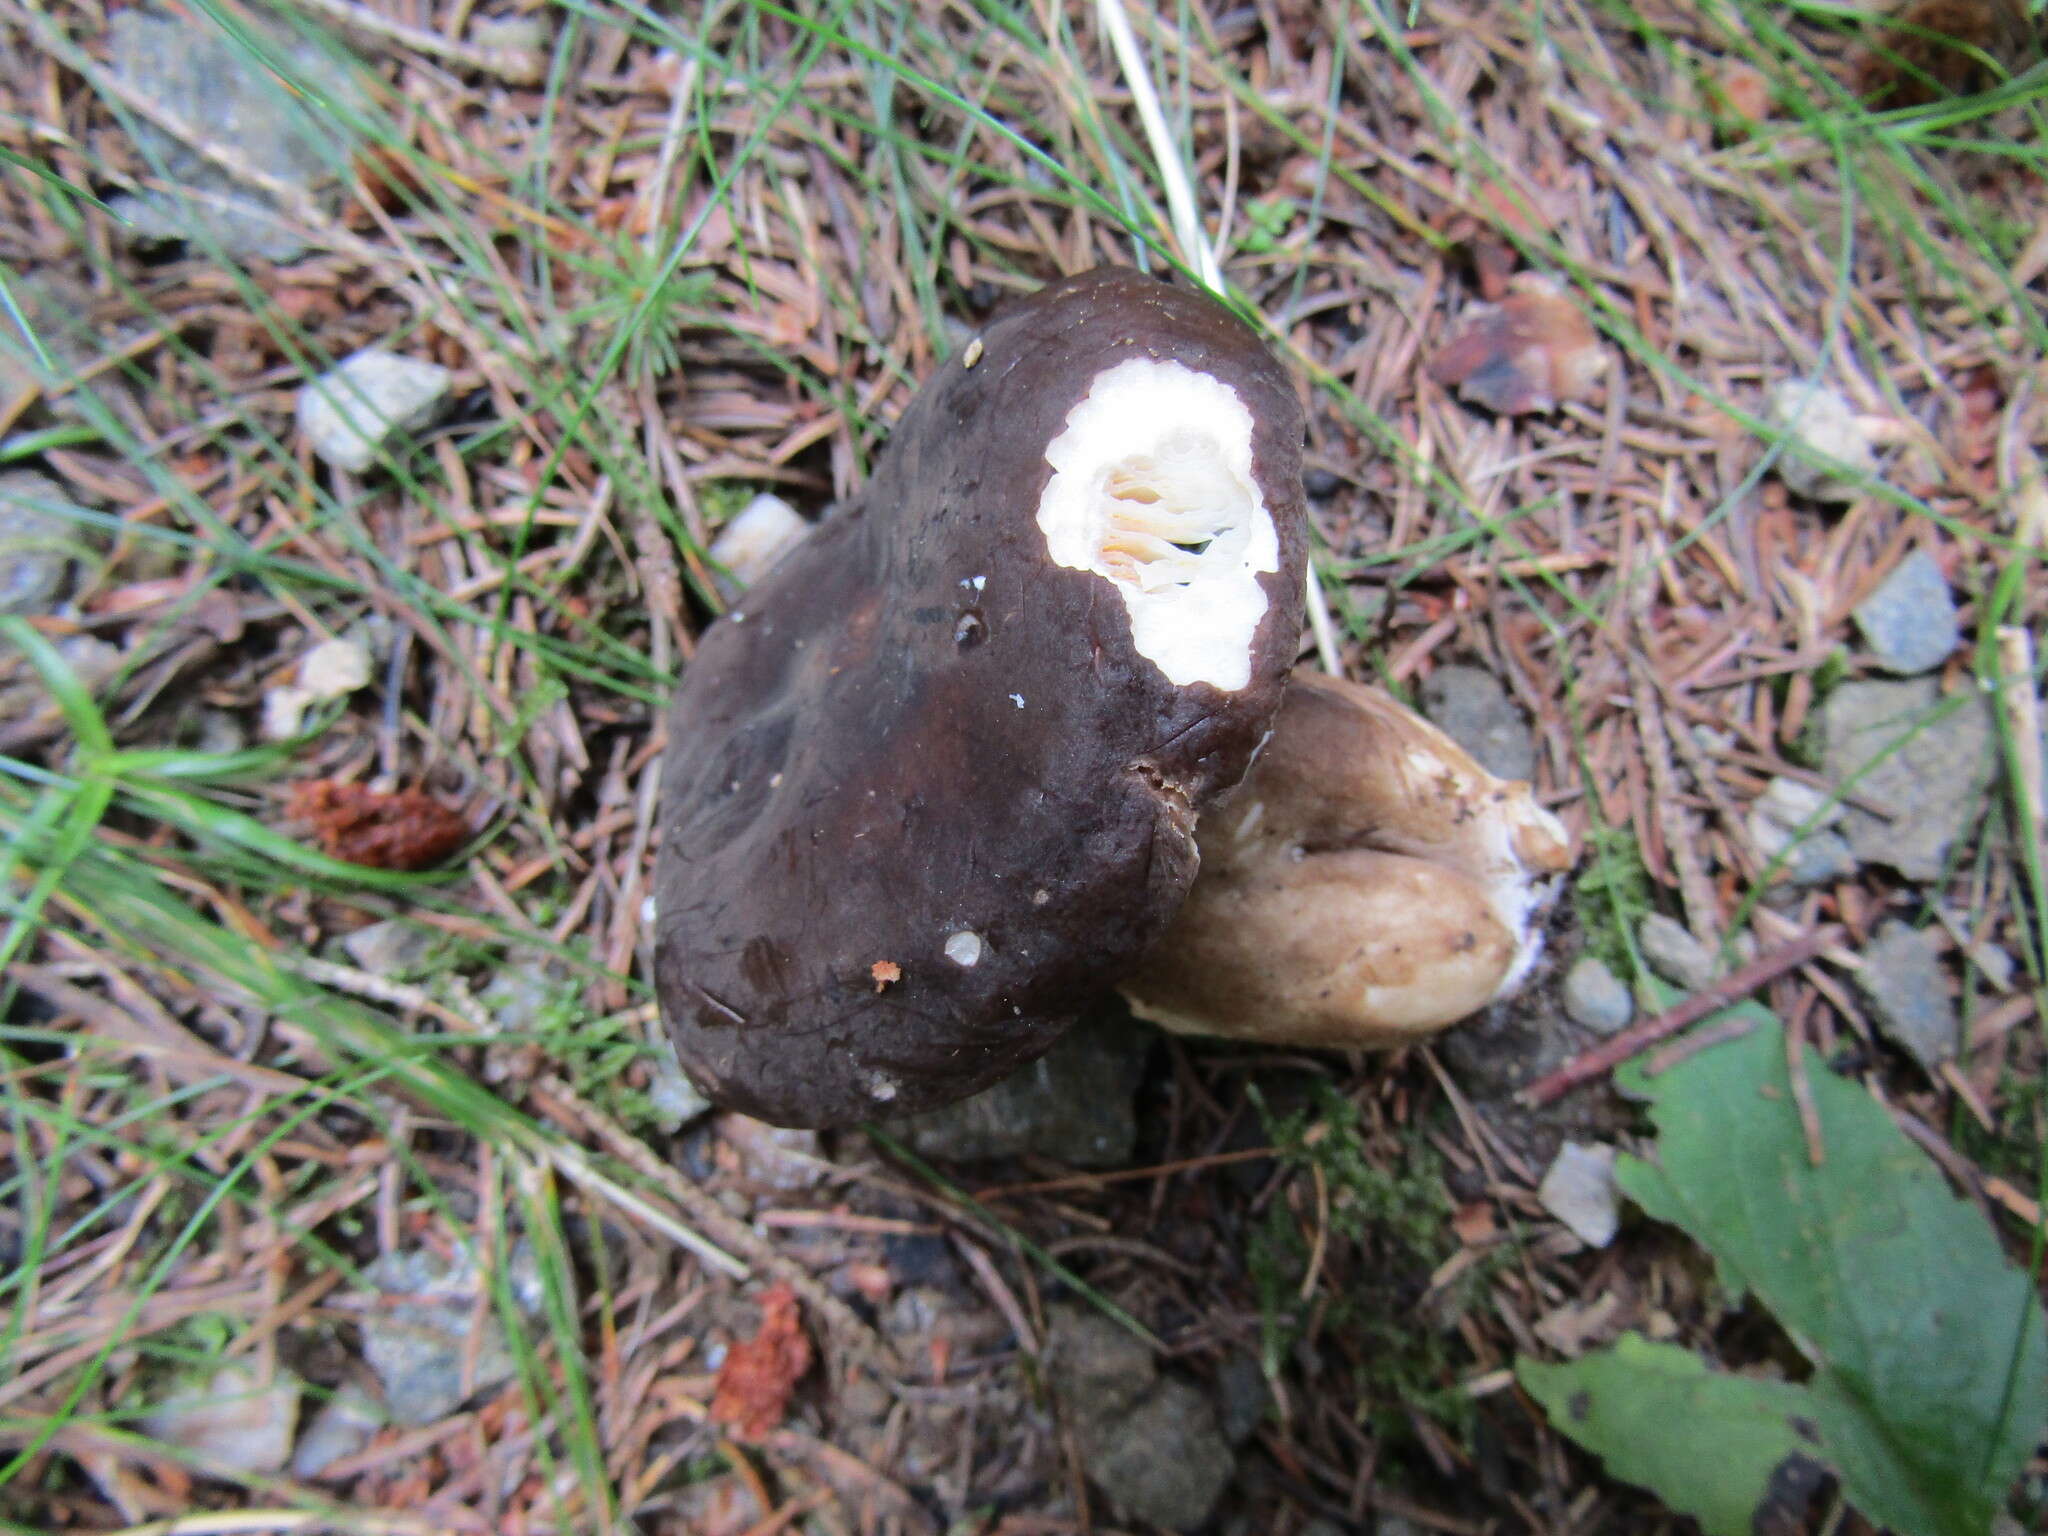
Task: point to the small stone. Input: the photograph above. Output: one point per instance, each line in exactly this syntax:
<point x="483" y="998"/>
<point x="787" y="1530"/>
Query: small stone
<point x="1579" y="1190"/>
<point x="1097" y="1367"/>
<point x="418" y="1346"/>
<point x="1243" y="1397"/>
<point x="40" y="542"/>
<point x="334" y="668"/>
<point x="391" y="948"/>
<point x="1817" y="418"/>
<point x="1909" y="622"/>
<point x="284" y="711"/>
<point x="236" y="1420"/>
<point x="1793" y="804"/>
<point x="1150" y="1443"/>
<point x="1903" y="980"/>
<point x="219" y="733"/>
<point x="1469" y="705"/>
<point x="1675" y="954"/>
<point x="344" y="1425"/>
<point x="1813" y="859"/>
<point x="91" y="661"/>
<point x="514" y="48"/>
<point x="676" y="1100"/>
<point x="223" y="92"/>
<point x="1596" y="998"/>
<point x="353" y="412"/>
<point x="1164" y="1462"/>
<point x="773" y="1156"/>
<point x="523" y="994"/>
<point x="753" y="540"/>
<point x="1073" y="1105"/>
<point x="1933" y="774"/>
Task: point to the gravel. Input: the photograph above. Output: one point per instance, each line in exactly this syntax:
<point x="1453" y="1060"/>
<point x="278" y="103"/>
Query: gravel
<point x="1910" y="621"/>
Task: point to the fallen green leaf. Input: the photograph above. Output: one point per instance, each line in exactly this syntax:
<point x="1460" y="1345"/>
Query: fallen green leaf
<point x="1929" y="1386"/>
<point x="1724" y="1449"/>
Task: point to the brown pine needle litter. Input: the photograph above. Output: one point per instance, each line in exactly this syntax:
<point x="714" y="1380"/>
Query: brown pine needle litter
<point x="346" y="1186"/>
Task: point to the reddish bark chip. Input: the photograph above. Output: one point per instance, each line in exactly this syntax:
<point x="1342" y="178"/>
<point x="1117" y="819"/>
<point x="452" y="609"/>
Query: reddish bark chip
<point x="759" y="1374"/>
<point x="403" y="829"/>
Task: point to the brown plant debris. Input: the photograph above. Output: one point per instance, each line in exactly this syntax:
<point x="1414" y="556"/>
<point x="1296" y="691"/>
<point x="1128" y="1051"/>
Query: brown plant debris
<point x="1525" y="355"/>
<point x="1939" y="48"/>
<point x="402" y="829"/>
<point x="759" y="1374"/>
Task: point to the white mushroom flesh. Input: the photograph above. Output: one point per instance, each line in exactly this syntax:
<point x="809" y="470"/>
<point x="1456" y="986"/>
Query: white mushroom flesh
<point x="1152" y="490"/>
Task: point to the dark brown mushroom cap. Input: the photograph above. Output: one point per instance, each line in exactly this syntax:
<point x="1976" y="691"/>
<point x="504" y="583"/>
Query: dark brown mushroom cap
<point x="923" y="796"/>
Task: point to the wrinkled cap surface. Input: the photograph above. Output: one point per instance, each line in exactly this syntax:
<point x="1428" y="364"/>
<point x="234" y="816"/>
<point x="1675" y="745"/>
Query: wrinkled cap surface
<point x="933" y="785"/>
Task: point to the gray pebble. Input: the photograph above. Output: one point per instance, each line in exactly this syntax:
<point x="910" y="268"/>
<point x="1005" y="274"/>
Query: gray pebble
<point x="1074" y="1104"/>
<point x="1675" y="954"/>
<point x="351" y="413"/>
<point x="231" y="1416"/>
<point x="1932" y="774"/>
<point x="1596" y="998"/>
<point x="675" y="1099"/>
<point x="1904" y="982"/>
<point x="1909" y="622"/>
<point x="41" y="540"/>
<point x="1816" y="858"/>
<point x="1243" y="1397"/>
<point x="522" y="996"/>
<point x="753" y="541"/>
<point x="1817" y="418"/>
<point x="199" y="76"/>
<point x="1151" y="1443"/>
<point x="343" y="1426"/>
<point x="1579" y="1190"/>
<point x="391" y="948"/>
<point x="1469" y="705"/>
<point x="417" y="1347"/>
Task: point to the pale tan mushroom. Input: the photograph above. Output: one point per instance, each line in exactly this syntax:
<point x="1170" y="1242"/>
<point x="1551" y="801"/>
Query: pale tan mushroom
<point x="1368" y="883"/>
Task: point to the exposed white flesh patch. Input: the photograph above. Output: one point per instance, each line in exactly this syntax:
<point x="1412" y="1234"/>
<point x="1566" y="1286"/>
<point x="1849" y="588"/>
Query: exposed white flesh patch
<point x="1518" y="888"/>
<point x="1152" y="490"/>
<point x="964" y="948"/>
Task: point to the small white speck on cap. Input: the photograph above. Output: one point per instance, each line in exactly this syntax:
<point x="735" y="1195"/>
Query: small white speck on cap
<point x="647" y="908"/>
<point x="1017" y="699"/>
<point x="972" y="355"/>
<point x="964" y="948"/>
<point x="882" y="1088"/>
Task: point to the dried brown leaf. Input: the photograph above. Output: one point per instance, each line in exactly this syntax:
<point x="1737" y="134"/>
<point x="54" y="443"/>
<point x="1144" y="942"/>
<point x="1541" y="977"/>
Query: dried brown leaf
<point x="1523" y="355"/>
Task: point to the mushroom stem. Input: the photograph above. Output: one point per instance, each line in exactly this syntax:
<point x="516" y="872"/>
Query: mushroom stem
<point x="1367" y="883"/>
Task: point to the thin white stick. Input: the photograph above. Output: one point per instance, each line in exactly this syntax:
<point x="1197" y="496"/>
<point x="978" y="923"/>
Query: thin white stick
<point x="1319" y="622"/>
<point x="1180" y="196"/>
<point x="653" y="210"/>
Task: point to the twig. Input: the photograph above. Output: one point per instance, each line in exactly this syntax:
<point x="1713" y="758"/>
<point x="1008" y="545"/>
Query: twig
<point x="2023" y="719"/>
<point x="1319" y="623"/>
<point x="1630" y="1043"/>
<point x="1680" y="845"/>
<point x="1180" y="197"/>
